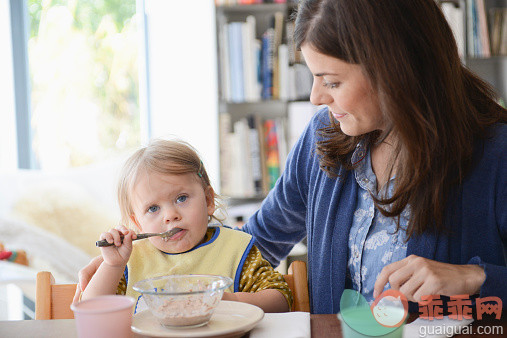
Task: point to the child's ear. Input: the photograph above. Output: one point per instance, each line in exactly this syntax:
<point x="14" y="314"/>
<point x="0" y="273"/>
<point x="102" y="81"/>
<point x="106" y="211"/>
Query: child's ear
<point x="134" y="220"/>
<point x="210" y="200"/>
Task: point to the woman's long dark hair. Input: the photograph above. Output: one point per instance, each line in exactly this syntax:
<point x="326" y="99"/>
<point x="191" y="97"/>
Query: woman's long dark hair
<point x="435" y="106"/>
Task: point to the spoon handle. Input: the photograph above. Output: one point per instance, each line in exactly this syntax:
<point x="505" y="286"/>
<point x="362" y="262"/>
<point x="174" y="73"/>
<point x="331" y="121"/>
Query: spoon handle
<point x="103" y="242"/>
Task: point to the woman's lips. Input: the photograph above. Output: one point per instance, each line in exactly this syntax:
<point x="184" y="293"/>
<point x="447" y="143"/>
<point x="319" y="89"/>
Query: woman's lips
<point x="337" y="115"/>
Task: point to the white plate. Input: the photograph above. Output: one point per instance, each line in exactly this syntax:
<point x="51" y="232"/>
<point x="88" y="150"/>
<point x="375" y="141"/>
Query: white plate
<point x="229" y="318"/>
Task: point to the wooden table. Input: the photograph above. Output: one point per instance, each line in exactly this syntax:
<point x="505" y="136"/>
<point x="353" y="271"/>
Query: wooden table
<point x="321" y="326"/>
<point x="329" y="326"/>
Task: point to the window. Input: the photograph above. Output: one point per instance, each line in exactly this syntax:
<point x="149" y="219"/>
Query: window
<point x="83" y="58"/>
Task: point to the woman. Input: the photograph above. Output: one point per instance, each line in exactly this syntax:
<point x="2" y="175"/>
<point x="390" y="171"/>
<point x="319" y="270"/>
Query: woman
<point x="400" y="182"/>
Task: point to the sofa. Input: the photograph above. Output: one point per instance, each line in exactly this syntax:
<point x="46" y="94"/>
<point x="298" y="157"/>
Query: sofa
<point x="56" y="217"/>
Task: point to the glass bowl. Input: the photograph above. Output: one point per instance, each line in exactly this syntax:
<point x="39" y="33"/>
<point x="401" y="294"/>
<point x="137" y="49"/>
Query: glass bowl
<point x="183" y="301"/>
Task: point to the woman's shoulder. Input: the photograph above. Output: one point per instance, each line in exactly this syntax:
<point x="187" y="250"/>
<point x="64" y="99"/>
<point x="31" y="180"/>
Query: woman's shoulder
<point x="495" y="142"/>
<point x="490" y="152"/>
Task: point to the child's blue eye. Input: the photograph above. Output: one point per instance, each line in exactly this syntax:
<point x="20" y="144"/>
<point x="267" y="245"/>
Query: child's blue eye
<point x="181" y="199"/>
<point x="153" y="208"/>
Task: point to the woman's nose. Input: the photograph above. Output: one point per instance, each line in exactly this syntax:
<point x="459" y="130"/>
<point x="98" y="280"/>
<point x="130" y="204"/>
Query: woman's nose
<point x="318" y="95"/>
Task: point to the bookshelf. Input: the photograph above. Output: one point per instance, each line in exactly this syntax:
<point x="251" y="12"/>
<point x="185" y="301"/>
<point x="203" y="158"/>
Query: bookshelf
<point x="480" y="29"/>
<point x="263" y="85"/>
<point x="253" y="46"/>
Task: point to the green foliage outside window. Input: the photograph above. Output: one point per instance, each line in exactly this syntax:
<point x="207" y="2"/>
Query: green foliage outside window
<point x="83" y="57"/>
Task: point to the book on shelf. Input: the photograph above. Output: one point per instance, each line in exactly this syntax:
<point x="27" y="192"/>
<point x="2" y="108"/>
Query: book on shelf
<point x="483" y="29"/>
<point x="272" y="155"/>
<point x="496" y="17"/>
<point x="255" y="155"/>
<point x="503" y="37"/>
<point x="226" y="156"/>
<point x="253" y="151"/>
<point x="253" y="69"/>
<point x="236" y="61"/>
<point x="267" y="63"/>
<point x="499" y="31"/>
<point x="283" y="72"/>
<point x="224" y="65"/>
<point x="298" y="116"/>
<point x="277" y="41"/>
<point x="454" y="15"/>
<point x="251" y="48"/>
<point x="478" y="37"/>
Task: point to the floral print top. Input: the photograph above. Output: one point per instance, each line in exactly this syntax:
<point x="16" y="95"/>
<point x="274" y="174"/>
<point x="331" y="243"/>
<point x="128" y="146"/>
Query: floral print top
<point x="373" y="240"/>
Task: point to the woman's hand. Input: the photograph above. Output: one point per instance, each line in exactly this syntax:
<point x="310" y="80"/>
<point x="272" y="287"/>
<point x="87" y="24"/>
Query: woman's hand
<point x="118" y="254"/>
<point x="416" y="276"/>
<point x="85" y="275"/>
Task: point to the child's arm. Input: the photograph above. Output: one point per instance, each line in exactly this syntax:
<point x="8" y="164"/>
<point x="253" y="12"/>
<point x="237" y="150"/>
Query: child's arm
<point x="269" y="300"/>
<point x="105" y="280"/>
<point x="261" y="285"/>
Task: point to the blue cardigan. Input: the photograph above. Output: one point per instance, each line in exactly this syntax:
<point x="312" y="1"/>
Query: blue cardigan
<point x="307" y="203"/>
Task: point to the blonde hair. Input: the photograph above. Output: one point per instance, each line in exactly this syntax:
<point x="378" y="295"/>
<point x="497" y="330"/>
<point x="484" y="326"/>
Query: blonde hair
<point x="169" y="157"/>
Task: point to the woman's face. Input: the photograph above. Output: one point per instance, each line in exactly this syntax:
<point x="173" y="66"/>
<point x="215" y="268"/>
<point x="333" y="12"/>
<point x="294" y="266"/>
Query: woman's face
<point x="346" y="91"/>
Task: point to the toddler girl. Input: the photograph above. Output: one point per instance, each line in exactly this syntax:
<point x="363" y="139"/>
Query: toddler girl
<point x="165" y="186"/>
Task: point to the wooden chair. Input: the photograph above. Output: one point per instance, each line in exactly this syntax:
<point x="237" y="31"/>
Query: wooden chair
<point x="298" y="283"/>
<point x="52" y="301"/>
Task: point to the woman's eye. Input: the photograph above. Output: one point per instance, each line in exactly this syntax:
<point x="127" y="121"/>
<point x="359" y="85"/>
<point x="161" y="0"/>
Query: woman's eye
<point x="153" y="208"/>
<point x="331" y="85"/>
<point x="181" y="199"/>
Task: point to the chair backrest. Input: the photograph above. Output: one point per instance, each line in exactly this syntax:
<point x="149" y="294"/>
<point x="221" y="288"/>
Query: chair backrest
<point x="52" y="301"/>
<point x="298" y="282"/>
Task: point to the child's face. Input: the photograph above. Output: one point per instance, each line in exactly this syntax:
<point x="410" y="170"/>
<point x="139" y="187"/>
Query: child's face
<point x="162" y="202"/>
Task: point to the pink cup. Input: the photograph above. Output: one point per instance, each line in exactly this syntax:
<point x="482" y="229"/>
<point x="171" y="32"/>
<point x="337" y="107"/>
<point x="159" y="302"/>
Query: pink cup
<point x="104" y="316"/>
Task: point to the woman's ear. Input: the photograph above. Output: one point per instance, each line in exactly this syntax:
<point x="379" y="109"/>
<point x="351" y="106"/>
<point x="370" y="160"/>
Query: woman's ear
<point x="210" y="200"/>
<point x="134" y="220"/>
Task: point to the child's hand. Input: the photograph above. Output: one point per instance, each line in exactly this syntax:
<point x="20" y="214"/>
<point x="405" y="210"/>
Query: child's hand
<point x="118" y="254"/>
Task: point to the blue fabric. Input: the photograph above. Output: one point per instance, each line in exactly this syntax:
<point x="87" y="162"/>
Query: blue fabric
<point x="305" y="202"/>
<point x="374" y="242"/>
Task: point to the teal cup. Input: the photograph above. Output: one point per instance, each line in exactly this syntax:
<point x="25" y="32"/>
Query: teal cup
<point x="360" y="323"/>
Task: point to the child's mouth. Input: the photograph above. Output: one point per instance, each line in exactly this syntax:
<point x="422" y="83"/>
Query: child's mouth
<point x="176" y="236"/>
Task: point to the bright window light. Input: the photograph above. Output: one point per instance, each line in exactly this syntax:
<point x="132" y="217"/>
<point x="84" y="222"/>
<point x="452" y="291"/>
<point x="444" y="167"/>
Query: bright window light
<point x="83" y="61"/>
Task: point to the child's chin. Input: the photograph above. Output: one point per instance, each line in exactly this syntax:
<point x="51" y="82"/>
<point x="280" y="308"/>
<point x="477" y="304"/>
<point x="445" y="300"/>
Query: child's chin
<point x="172" y="249"/>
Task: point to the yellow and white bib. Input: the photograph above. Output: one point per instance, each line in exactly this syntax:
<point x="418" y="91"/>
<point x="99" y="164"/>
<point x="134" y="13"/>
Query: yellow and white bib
<point x="224" y="254"/>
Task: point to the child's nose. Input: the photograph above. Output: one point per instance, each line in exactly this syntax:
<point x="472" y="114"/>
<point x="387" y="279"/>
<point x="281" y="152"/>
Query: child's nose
<point x="171" y="215"/>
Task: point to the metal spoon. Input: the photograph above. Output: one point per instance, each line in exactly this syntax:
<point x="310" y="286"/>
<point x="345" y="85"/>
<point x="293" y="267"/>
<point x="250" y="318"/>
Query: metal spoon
<point x="166" y="234"/>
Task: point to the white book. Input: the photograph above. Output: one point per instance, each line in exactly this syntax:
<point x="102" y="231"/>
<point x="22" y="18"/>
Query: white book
<point x="503" y="35"/>
<point x="303" y="80"/>
<point x="292" y="83"/>
<point x="299" y="115"/>
<point x="283" y="72"/>
<point x="224" y="61"/>
<point x="226" y="160"/>
<point x="236" y="188"/>
<point x="245" y="162"/>
<point x="257" y="59"/>
<point x="247" y="60"/>
<point x="253" y="48"/>
<point x="454" y="16"/>
<point x="483" y="29"/>
<point x="282" y="142"/>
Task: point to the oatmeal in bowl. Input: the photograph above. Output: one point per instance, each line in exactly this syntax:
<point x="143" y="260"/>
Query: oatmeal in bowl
<point x="183" y="300"/>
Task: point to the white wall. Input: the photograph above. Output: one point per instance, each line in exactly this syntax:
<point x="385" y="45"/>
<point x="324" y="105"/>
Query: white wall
<point x="8" y="153"/>
<point x="183" y="76"/>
